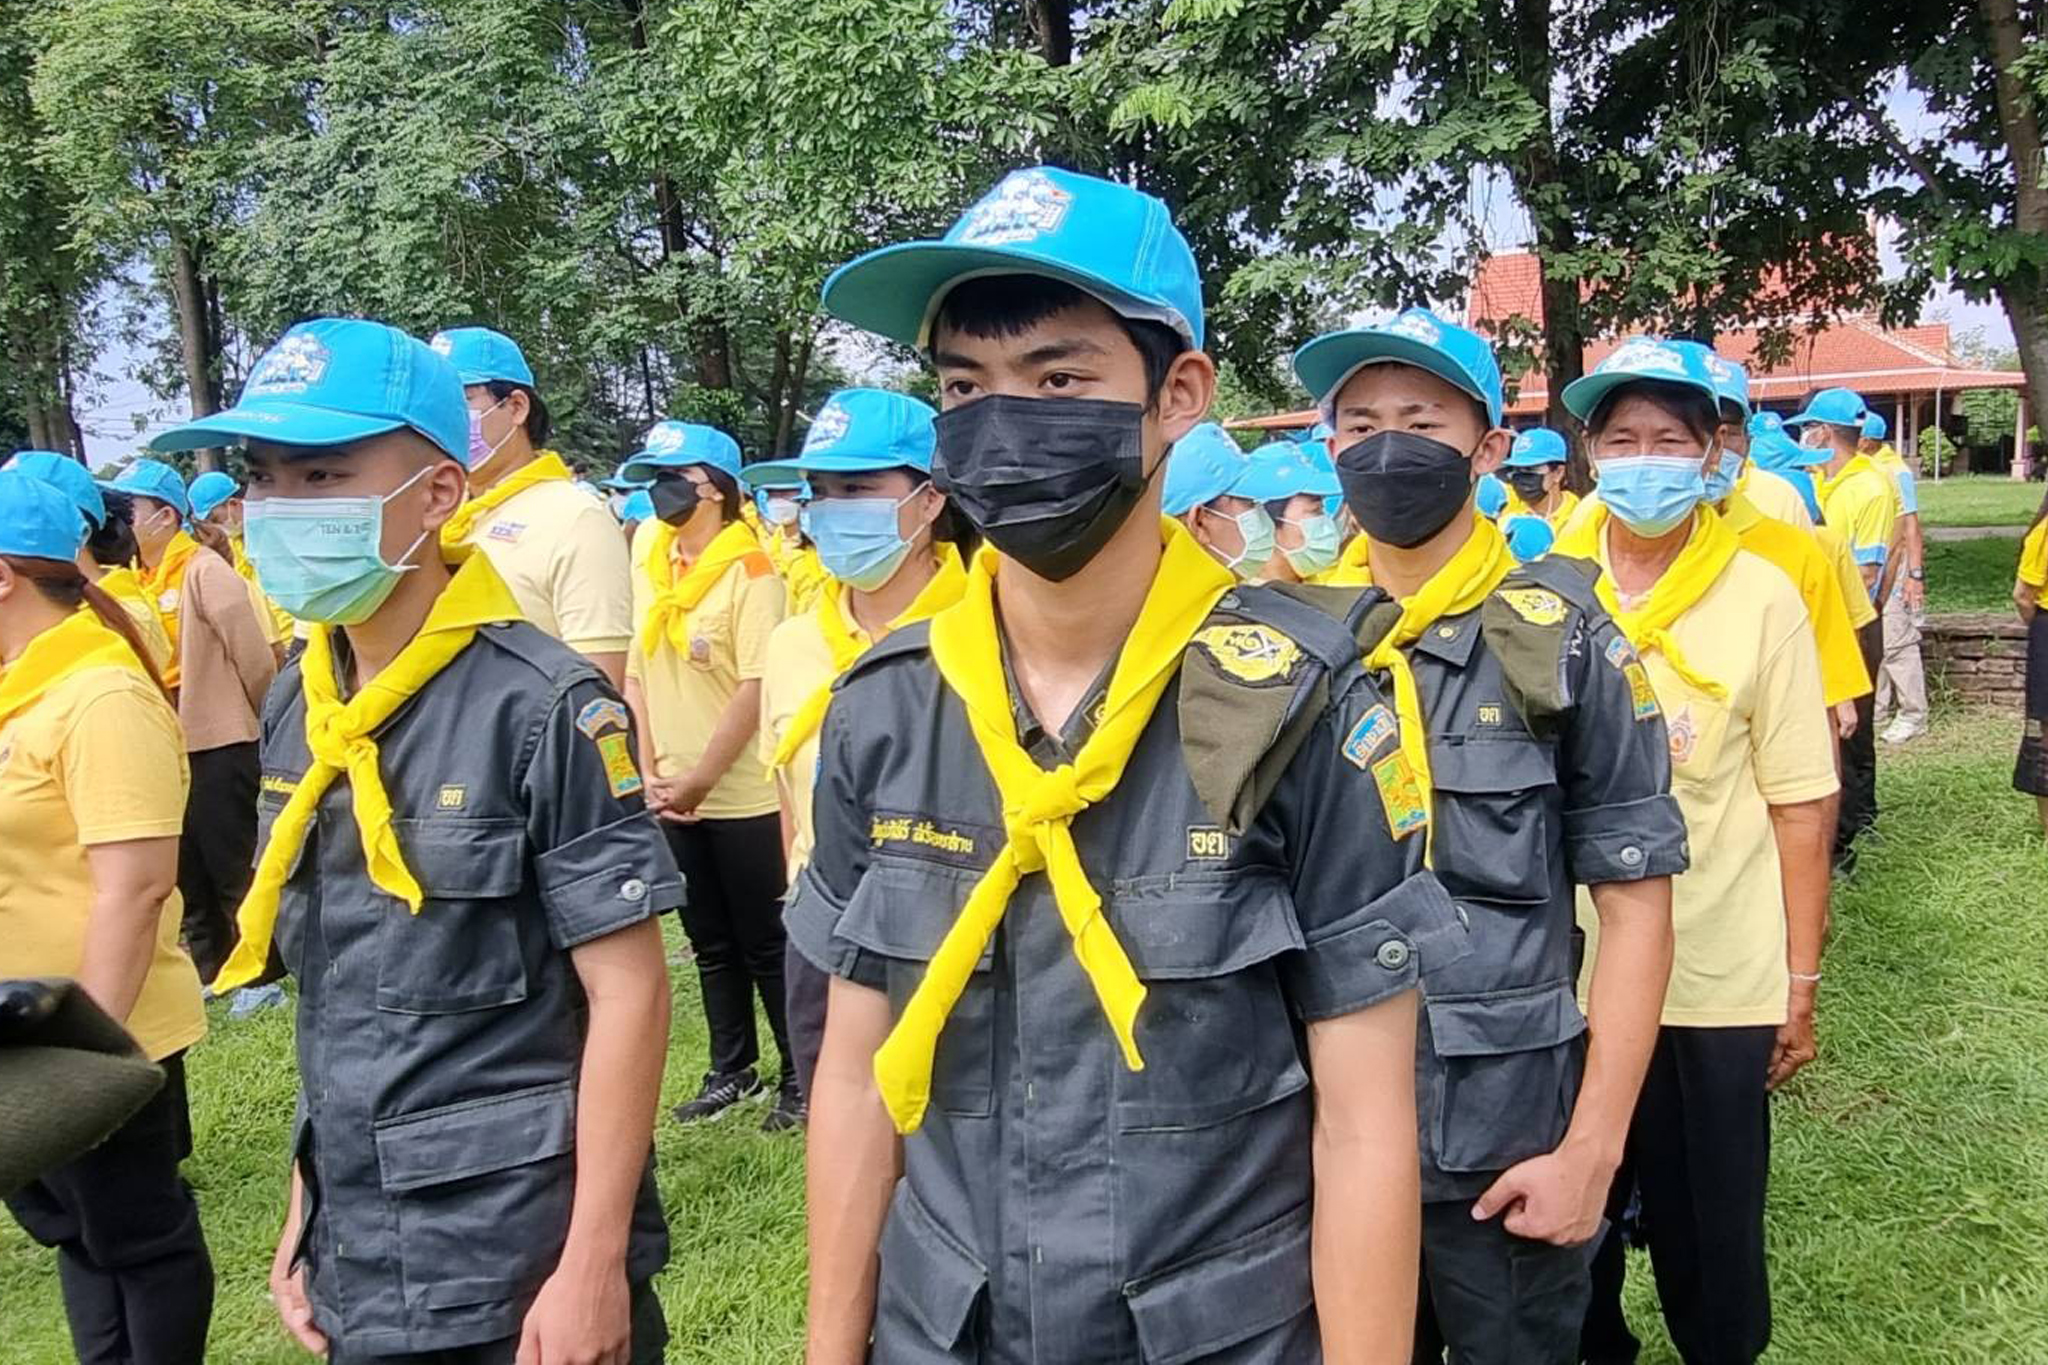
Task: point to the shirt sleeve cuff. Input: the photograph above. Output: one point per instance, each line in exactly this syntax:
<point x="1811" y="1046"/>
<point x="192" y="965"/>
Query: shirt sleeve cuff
<point x="811" y="919"/>
<point x="134" y="829"/>
<point x="1793" y="793"/>
<point x="607" y="880"/>
<point x="1626" y="842"/>
<point x="599" y="644"/>
<point x="1378" y="951"/>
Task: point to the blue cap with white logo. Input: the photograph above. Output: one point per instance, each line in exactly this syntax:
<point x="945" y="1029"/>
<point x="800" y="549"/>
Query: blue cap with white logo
<point x="1875" y="428"/>
<point x="481" y="355"/>
<point x="1772" y="449"/>
<point x="638" y="506"/>
<point x="1537" y="447"/>
<point x="670" y="444"/>
<point x="1764" y="420"/>
<point x="154" y="479"/>
<point x="1109" y="240"/>
<point x="1730" y="380"/>
<point x="336" y="380"/>
<point x="38" y="521"/>
<point x="208" y="491"/>
<point x="1835" y="408"/>
<point x="68" y="477"/>
<point x="856" y="430"/>
<point x="1637" y="359"/>
<point x="1203" y="465"/>
<point x="1457" y="355"/>
<point x="1284" y="469"/>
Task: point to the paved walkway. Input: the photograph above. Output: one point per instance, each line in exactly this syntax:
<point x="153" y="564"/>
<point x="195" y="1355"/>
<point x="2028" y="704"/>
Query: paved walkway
<point x="1975" y="532"/>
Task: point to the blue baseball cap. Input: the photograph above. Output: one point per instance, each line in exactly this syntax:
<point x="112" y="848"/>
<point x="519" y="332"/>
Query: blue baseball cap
<point x="481" y="355"/>
<point x="1109" y="240"/>
<point x="68" y="477"/>
<point x="670" y="444"/>
<point x="857" y="429"/>
<point x="1283" y="469"/>
<point x="210" y="490"/>
<point x="617" y="482"/>
<point x="1457" y="355"/>
<point x="638" y="506"/>
<point x="1730" y="380"/>
<point x="1204" y="464"/>
<point x="1764" y="421"/>
<point x="38" y="520"/>
<point x="335" y="380"/>
<point x="154" y="479"/>
<point x="1636" y="359"/>
<point x="1489" y="495"/>
<point x="1833" y="407"/>
<point x="1875" y="428"/>
<point x="1774" y="450"/>
<point x="1537" y="447"/>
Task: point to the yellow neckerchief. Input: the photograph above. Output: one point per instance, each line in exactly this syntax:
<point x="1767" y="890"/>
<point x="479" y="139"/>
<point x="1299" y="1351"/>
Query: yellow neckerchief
<point x="676" y="596"/>
<point x="1039" y="806"/>
<point x="1480" y="565"/>
<point x="546" y="467"/>
<point x="1567" y="503"/>
<point x="169" y="576"/>
<point x="1699" y="566"/>
<point x="79" y="642"/>
<point x="1859" y="462"/>
<point x="1351" y="569"/>
<point x="123" y="584"/>
<point x="848" y="642"/>
<point x="339" y="736"/>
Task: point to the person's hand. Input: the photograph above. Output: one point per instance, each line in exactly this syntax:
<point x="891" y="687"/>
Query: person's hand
<point x="288" y="1291"/>
<point x="1797" y="1042"/>
<point x="1558" y="1198"/>
<point x="1845" y="718"/>
<point x="1916" y="594"/>
<point x="581" y="1317"/>
<point x="680" y="798"/>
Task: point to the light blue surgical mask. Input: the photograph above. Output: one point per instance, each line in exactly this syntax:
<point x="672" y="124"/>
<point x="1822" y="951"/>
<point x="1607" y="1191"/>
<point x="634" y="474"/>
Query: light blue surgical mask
<point x="1321" y="543"/>
<point x="320" y="558"/>
<point x="1255" y="531"/>
<point x="1721" y="475"/>
<point x="1650" y="494"/>
<point x="858" y="539"/>
<point x="780" y="509"/>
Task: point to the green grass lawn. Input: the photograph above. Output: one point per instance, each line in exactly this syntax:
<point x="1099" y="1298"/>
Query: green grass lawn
<point x="1908" y="1218"/>
<point x="1972" y="575"/>
<point x="1978" y="500"/>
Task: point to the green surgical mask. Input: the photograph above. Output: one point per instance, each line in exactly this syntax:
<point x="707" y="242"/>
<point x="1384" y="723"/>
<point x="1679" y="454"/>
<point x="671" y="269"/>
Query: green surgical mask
<point x="1321" y="543"/>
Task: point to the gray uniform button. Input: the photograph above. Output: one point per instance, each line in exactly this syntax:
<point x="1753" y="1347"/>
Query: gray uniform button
<point x="1631" y="856"/>
<point x="633" y="889"/>
<point x="1393" y="955"/>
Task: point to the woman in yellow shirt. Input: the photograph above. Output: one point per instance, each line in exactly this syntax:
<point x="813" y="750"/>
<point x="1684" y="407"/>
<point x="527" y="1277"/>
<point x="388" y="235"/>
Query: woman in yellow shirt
<point x="1719" y="641"/>
<point x="92" y="800"/>
<point x="705" y="600"/>
<point x="108" y="558"/>
<point x="2030" y="775"/>
<point x="880" y="531"/>
<point x="1539" y="504"/>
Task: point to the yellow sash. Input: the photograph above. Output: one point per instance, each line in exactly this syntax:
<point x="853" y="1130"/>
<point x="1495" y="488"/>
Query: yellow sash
<point x="547" y="467"/>
<point x="339" y="735"/>
<point x="169" y="577"/>
<point x="675" y="597"/>
<point x="848" y="643"/>
<point x="1698" y="567"/>
<point x="73" y="645"/>
<point x="1351" y="569"/>
<point x="1039" y="806"/>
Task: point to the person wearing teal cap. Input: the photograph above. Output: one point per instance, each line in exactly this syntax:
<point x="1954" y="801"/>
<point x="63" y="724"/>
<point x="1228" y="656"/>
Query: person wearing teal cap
<point x="1105" y="744"/>
<point x="1901" y="679"/>
<point x="1202" y="474"/>
<point x="92" y="798"/>
<point x="1539" y="503"/>
<point x="458" y="868"/>
<point x="68" y="476"/>
<point x="1296" y="483"/>
<point x="108" y="557"/>
<point x="1508" y="677"/>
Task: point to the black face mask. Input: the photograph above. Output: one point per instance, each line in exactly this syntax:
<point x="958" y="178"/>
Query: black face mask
<point x="1047" y="480"/>
<point x="1404" y="488"/>
<point x="674" y="500"/>
<point x="1528" y="484"/>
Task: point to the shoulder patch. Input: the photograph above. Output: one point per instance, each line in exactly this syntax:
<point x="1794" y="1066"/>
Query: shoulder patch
<point x="1639" y="690"/>
<point x="619" y="768"/>
<point x="1619" y="652"/>
<point x="757" y="564"/>
<point x="1400" y="795"/>
<point x="1253" y="654"/>
<point x="1376" y="729"/>
<point x="1537" y="606"/>
<point x="600" y="715"/>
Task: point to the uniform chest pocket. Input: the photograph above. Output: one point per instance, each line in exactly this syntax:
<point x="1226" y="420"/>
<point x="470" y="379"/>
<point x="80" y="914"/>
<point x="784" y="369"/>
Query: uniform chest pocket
<point x="463" y="950"/>
<point x="710" y="640"/>
<point x="900" y="912"/>
<point x="1493" y="800"/>
<point x="1697" y="728"/>
<point x="1215" y="1029"/>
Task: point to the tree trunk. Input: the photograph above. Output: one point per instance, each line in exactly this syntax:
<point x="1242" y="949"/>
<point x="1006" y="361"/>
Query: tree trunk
<point x="793" y="391"/>
<point x="1052" y="24"/>
<point x="2024" y="293"/>
<point x="196" y="341"/>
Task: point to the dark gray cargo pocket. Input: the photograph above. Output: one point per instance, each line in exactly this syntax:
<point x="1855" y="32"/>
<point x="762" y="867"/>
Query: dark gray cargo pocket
<point x="1491" y="842"/>
<point x="1511" y="1062"/>
<point x="930" y="1289"/>
<point x="1226" y="1295"/>
<point x="462" y="950"/>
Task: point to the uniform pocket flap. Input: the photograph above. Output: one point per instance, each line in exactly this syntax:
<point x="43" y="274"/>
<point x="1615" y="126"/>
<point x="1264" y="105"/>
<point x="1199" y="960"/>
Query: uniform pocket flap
<point x="936" y="1280"/>
<point x="1225" y="1296"/>
<point x="902" y="909"/>
<point x="269" y="805"/>
<point x="464" y="859"/>
<point x="1186" y="927"/>
<point x="1522" y="1020"/>
<point x="439" y="1146"/>
<point x="1492" y="765"/>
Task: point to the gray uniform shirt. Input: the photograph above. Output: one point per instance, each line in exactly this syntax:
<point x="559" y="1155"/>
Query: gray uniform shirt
<point x="1560" y="777"/>
<point x="1056" y="1206"/>
<point x="439" y="1052"/>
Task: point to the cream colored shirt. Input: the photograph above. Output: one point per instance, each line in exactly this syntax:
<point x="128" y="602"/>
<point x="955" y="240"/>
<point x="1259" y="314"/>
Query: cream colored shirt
<point x="560" y="552"/>
<point x="799" y="663"/>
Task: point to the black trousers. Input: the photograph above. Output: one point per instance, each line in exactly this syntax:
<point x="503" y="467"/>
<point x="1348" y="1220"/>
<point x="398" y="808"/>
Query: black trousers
<point x="1859" y="751"/>
<point x="806" y="988"/>
<point x="2030" y="772"/>
<point x="1699" y="1156"/>
<point x="217" y="853"/>
<point x="1493" y="1298"/>
<point x="733" y="881"/>
<point x="131" y="1259"/>
<point x="650" y="1339"/>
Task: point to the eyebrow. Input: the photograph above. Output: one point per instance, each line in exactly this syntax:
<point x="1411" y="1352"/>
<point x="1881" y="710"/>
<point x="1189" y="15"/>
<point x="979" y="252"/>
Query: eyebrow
<point x="1052" y="352"/>
<point x="1404" y="410"/>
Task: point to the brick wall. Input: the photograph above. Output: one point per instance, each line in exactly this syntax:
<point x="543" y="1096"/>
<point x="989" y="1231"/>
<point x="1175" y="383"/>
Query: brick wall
<point x="1980" y="657"/>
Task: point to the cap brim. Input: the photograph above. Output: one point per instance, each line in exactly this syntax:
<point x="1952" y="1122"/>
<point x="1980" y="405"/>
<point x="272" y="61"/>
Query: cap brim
<point x="799" y="468"/>
<point x="1532" y="461"/>
<point x="291" y="424"/>
<point x="1271" y="485"/>
<point x="896" y="291"/>
<point x="1327" y="363"/>
<point x="642" y="468"/>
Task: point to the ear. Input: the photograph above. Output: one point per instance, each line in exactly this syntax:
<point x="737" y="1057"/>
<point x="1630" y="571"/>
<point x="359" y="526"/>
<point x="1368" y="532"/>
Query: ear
<point x="518" y="407"/>
<point x="1492" y="449"/>
<point x="444" y="486"/>
<point x="1185" y="396"/>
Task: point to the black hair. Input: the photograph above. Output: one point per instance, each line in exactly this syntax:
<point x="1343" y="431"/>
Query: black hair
<point x="997" y="306"/>
<point x="1699" y="412"/>
<point x="112" y="542"/>
<point x="538" y="424"/>
<point x="1731" y="413"/>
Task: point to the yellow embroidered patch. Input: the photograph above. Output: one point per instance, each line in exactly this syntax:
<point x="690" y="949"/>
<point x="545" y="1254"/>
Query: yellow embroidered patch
<point x="1250" y="653"/>
<point x="1639" y="690"/>
<point x="902" y="829"/>
<point x="1400" y="795"/>
<point x="277" y="786"/>
<point x="1537" y="606"/>
<point x="453" y="798"/>
<point x="1207" y="841"/>
<point x="619" y="768"/>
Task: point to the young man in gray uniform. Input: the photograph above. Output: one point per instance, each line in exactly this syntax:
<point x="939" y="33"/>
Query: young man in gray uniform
<point x="459" y="870"/>
<point x="1128" y="816"/>
<point x="1549" y="768"/>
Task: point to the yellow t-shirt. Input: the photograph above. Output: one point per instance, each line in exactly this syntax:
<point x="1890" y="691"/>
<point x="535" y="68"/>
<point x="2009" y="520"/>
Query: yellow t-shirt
<point x="1767" y="743"/>
<point x="2034" y="556"/>
<point x="799" y="663"/>
<point x="1843" y="676"/>
<point x="1860" y="501"/>
<point x="1774" y="497"/>
<point x="1856" y="597"/>
<point x="98" y="759"/>
<point x="125" y="587"/>
<point x="729" y="633"/>
<point x="561" y="553"/>
<point x="1567" y="503"/>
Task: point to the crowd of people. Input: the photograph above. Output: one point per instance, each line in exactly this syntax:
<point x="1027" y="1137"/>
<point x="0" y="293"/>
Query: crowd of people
<point x="1314" y="903"/>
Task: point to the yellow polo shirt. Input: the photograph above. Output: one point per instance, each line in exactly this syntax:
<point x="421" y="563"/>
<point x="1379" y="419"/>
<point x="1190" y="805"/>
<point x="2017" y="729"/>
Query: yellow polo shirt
<point x="1843" y="676"/>
<point x="561" y="553"/>
<point x="729" y="633"/>
<point x="2034" y="556"/>
<point x="1861" y="503"/>
<point x="98" y="759"/>
<point x="799" y="663"/>
<point x="1774" y="497"/>
<point x="125" y="587"/>
<point x="1766" y="743"/>
<point x="1856" y="597"/>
